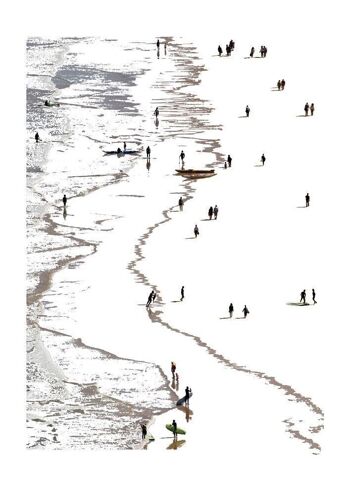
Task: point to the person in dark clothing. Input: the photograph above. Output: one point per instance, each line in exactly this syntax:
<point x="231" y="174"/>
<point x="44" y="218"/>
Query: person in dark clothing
<point x="144" y="431"/>
<point x="312" y="109"/>
<point x="210" y="213"/>
<point x="196" y="230"/>
<point x="148" y="153"/>
<point x="174" y="424"/>
<point x="37" y="138"/>
<point x="230" y="310"/>
<point x="64" y="200"/>
<point x="219" y="50"/>
<point x="182" y="157"/>
<point x="283" y="83"/>
<point x="314" y="296"/>
<point x="306" y="109"/>
<point x="307" y="200"/>
<point x="245" y="311"/>
<point x="181" y="203"/>
<point x="229" y="160"/>
<point x="156" y="112"/>
<point x="154" y="296"/>
<point x="228" y="50"/>
<point x="261" y="51"/>
<point x="263" y="159"/>
<point x="252" y="51"/>
<point x="158" y="44"/>
<point x="247" y="111"/>
<point x="173" y="368"/>
<point x="232" y="45"/>
<point x="265" y="51"/>
<point x="303" y="296"/>
<point x="187" y="395"/>
<point x="164" y="48"/>
<point x="182" y="293"/>
<point x="225" y="165"/>
<point x="124" y="146"/>
<point x="47" y="104"/>
<point x="216" y="211"/>
<point x="279" y="85"/>
<point x="119" y="150"/>
<point x="149" y="300"/>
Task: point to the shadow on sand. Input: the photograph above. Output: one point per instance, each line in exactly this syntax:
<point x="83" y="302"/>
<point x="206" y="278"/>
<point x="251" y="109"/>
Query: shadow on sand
<point x="176" y="444"/>
<point x="225" y="318"/>
<point x="243" y="116"/>
<point x="297" y="304"/>
<point x="259" y="165"/>
<point x="302" y="206"/>
<point x="302" y="115"/>
<point x="240" y="318"/>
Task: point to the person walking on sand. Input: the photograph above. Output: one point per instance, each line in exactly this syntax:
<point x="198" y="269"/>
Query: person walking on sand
<point x="230" y="310"/>
<point x="279" y="85"/>
<point x="154" y="296"/>
<point x="196" y="231"/>
<point x="263" y="159"/>
<point x="210" y="213"/>
<point x="182" y="293"/>
<point x="174" y="425"/>
<point x="303" y="296"/>
<point x="148" y="153"/>
<point x="182" y="158"/>
<point x="177" y="378"/>
<point x="181" y="203"/>
<point x="219" y="50"/>
<point x="252" y="51"/>
<point x="229" y="160"/>
<point x="64" y="200"/>
<point x="232" y="45"/>
<point x="312" y="109"/>
<point x="144" y="431"/>
<point x="283" y="83"/>
<point x="149" y="300"/>
<point x="261" y="51"/>
<point x="247" y="111"/>
<point x="173" y="369"/>
<point x="314" y="296"/>
<point x="156" y="112"/>
<point x="228" y="50"/>
<point x="37" y="138"/>
<point x="225" y="165"/>
<point x="245" y="311"/>
<point x="307" y="200"/>
<point x="216" y="211"/>
<point x="306" y="109"/>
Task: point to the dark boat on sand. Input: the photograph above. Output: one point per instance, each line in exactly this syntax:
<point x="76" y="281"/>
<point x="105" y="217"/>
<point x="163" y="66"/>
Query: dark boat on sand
<point x="191" y="173"/>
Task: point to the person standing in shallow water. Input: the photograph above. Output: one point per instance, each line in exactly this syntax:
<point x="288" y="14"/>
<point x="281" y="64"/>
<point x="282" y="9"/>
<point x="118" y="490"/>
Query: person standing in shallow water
<point x="182" y="293"/>
<point x="158" y="44"/>
<point x="307" y="200"/>
<point x="314" y="296"/>
<point x="64" y="200"/>
<point x="196" y="230"/>
<point x="156" y="112"/>
<point x="144" y="431"/>
<point x="230" y="310"/>
<point x="182" y="157"/>
<point x="245" y="311"/>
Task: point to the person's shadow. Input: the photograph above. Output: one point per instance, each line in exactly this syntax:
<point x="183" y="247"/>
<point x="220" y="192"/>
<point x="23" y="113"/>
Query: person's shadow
<point x="243" y="116"/>
<point x="157" y="122"/>
<point x="225" y="318"/>
<point x="176" y="444"/>
<point x="302" y="115"/>
<point x="64" y="212"/>
<point x="297" y="304"/>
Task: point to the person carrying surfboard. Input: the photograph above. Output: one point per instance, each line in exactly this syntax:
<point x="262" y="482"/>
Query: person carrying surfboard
<point x="174" y="424"/>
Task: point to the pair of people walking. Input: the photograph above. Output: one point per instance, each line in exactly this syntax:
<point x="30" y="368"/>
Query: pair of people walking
<point x="303" y="296"/>
<point x="263" y="51"/>
<point x="281" y="84"/>
<point x="213" y="211"/>
<point x="245" y="310"/>
<point x="308" y="108"/>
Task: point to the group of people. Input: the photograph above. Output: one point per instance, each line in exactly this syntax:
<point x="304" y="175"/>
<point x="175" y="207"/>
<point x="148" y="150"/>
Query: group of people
<point x="151" y="298"/>
<point x="229" y="161"/>
<point x="281" y="84"/>
<point x="158" y="47"/>
<point x="229" y="48"/>
<point x="308" y="108"/>
<point x="213" y="211"/>
<point x="303" y="296"/>
<point x="245" y="310"/>
<point x="263" y="51"/>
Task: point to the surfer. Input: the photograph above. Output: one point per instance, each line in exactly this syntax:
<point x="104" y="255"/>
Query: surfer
<point x="181" y="203"/>
<point x="148" y="153"/>
<point x="173" y="368"/>
<point x="144" y="431"/>
<point x="245" y="311"/>
<point x="174" y="424"/>
<point x="37" y="138"/>
<point x="230" y="309"/>
<point x="182" y="293"/>
<point x="64" y="200"/>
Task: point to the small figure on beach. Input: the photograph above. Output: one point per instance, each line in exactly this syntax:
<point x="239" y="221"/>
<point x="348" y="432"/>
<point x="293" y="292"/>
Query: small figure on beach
<point x="144" y="431"/>
<point x="156" y="112"/>
<point x="187" y="395"/>
<point x="173" y="368"/>
<point x="158" y="44"/>
<point x="247" y="111"/>
<point x="182" y="293"/>
<point x="47" y="104"/>
<point x="230" y="310"/>
<point x="64" y="200"/>
<point x="154" y="296"/>
<point x="181" y="203"/>
<point x="196" y="230"/>
<point x="124" y="146"/>
<point x="252" y="51"/>
<point x="307" y="200"/>
<point x="283" y="83"/>
<point x="210" y="213"/>
<point x="177" y="378"/>
<point x="314" y="296"/>
<point x="216" y="211"/>
<point x="229" y="160"/>
<point x="306" y="109"/>
<point x="148" y="153"/>
<point x="312" y="109"/>
<point x="279" y="85"/>
<point x="245" y="311"/>
<point x="303" y="296"/>
<point x="263" y="51"/>
<point x="228" y="50"/>
<point x="263" y="159"/>
<point x="225" y="165"/>
<point x="219" y="50"/>
<point x="37" y="138"/>
<point x="165" y="47"/>
<point x="232" y="45"/>
<point x="174" y="424"/>
<point x="182" y="158"/>
<point x="150" y="299"/>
